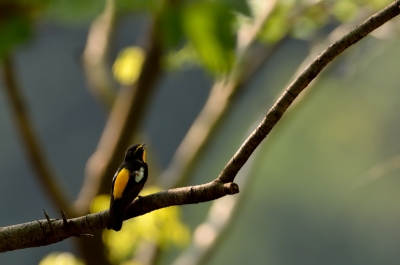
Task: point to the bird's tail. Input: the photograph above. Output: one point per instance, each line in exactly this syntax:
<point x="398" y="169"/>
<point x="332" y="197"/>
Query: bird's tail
<point x="115" y="220"/>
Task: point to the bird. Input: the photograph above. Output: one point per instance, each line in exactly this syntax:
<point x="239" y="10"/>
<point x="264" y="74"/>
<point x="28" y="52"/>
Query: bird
<point x="127" y="182"/>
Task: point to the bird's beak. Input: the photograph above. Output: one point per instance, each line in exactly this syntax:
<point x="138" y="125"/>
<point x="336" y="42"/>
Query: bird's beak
<point x="144" y="152"/>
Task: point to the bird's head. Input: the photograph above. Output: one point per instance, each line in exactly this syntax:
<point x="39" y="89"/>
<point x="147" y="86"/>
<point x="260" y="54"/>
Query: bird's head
<point x="136" y="152"/>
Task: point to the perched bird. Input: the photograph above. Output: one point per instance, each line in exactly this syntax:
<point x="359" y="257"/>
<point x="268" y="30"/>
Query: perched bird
<point x="128" y="181"/>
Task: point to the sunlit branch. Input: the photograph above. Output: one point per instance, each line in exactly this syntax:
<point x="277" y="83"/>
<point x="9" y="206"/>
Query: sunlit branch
<point x="208" y="234"/>
<point x="248" y="32"/>
<point x="123" y="122"/>
<point x="95" y="56"/>
<point x="147" y="253"/>
<point x="38" y="233"/>
<point x="217" y="105"/>
<point x="198" y="251"/>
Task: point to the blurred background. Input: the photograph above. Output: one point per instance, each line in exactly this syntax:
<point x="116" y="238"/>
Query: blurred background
<point x="322" y="188"/>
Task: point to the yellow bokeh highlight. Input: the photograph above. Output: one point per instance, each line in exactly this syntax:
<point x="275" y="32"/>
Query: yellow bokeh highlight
<point x="127" y="67"/>
<point x="163" y="227"/>
<point x="61" y="258"/>
<point x="100" y="203"/>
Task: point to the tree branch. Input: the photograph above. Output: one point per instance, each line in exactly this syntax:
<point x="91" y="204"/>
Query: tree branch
<point x="208" y="235"/>
<point x="223" y="212"/>
<point x="40" y="164"/>
<point x="123" y="122"/>
<point x="38" y="233"/>
<point x="312" y="70"/>
<point x="218" y="103"/>
<point x="95" y="56"/>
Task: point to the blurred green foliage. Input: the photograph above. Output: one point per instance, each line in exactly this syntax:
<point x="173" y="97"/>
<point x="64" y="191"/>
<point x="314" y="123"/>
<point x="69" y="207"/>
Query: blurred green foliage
<point x="208" y="26"/>
<point x="74" y="11"/>
<point x="302" y="18"/>
<point x="17" y="28"/>
<point x="325" y="144"/>
<point x="137" y="5"/>
<point x="239" y="6"/>
<point x="15" y="24"/>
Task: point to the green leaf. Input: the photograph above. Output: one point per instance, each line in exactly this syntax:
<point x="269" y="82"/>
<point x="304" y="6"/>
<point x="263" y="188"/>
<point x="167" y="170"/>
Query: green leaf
<point x="240" y="6"/>
<point x="75" y="10"/>
<point x="303" y="28"/>
<point x="171" y="26"/>
<point x="184" y="57"/>
<point x="15" y="28"/>
<point x="138" y="5"/>
<point x="208" y="26"/>
<point x="277" y="25"/>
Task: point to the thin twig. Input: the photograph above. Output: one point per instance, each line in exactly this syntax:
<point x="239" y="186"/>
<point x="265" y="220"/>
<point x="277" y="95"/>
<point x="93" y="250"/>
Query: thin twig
<point x="290" y="94"/>
<point x="30" y="141"/>
<point x="64" y="218"/>
<point x="248" y="32"/>
<point x="198" y="251"/>
<point x="48" y="220"/>
<point x="201" y="248"/>
<point x="217" y="105"/>
<point x="206" y="192"/>
<point x="85" y="235"/>
<point x="207" y="235"/>
<point x="317" y="48"/>
<point x="198" y="135"/>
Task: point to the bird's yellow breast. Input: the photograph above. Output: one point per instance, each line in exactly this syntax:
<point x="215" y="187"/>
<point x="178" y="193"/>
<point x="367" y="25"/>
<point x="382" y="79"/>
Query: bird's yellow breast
<point x="120" y="183"/>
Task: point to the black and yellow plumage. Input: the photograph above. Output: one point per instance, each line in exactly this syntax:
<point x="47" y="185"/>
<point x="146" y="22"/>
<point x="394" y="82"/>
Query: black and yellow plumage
<point x="128" y="181"/>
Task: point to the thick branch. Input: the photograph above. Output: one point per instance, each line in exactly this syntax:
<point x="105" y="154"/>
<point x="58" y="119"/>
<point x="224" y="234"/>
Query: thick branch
<point x="31" y="143"/>
<point x="40" y="233"/>
<point x="278" y="109"/>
